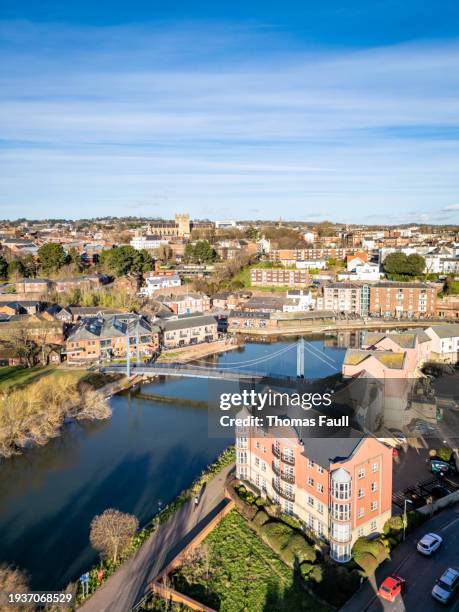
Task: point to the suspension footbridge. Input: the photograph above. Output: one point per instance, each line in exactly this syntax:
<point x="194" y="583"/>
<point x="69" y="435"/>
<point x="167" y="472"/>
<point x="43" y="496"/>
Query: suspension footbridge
<point x="249" y="370"/>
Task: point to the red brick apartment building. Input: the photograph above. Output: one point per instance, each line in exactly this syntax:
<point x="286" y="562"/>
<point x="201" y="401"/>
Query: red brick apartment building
<point x="279" y="277"/>
<point x="313" y="252"/>
<point x="339" y="488"/>
<point x="410" y="300"/>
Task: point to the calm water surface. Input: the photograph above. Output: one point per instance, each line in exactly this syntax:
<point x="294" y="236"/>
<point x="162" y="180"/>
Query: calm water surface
<point x="139" y="459"/>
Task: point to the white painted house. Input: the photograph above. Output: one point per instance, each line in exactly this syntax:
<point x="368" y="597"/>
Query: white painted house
<point x="157" y="283"/>
<point x="445" y="342"/>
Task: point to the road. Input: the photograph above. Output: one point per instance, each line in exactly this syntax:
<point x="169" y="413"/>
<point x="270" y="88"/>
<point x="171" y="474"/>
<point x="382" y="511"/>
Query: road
<point x="420" y="572"/>
<point x="124" y="589"/>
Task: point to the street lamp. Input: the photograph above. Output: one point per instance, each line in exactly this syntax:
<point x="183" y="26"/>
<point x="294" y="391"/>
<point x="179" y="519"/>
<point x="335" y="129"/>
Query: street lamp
<point x="405" y="518"/>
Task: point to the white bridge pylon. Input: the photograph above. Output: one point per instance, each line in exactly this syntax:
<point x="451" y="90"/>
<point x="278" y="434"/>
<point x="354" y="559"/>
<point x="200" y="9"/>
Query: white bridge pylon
<point x="300" y="358"/>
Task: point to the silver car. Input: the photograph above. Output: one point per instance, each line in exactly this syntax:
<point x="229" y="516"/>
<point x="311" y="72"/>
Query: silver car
<point x="429" y="543"/>
<point x="446" y="585"/>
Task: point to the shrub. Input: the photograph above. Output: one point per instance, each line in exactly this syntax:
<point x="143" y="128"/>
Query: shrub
<point x="375" y="547"/>
<point x="415" y="519"/>
<point x="291" y="521"/>
<point x="445" y="453"/>
<point x="260" y="502"/>
<point x="316" y="573"/>
<point x="298" y="548"/>
<point x="277" y="535"/>
<point x="306" y="568"/>
<point x="260" y="518"/>
<point x="394" y="524"/>
<point x="367" y="562"/>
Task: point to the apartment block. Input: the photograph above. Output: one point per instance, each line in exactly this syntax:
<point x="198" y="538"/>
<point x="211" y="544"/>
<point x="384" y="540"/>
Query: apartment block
<point x="346" y="297"/>
<point x="339" y="488"/>
<point x="313" y="252"/>
<point x="402" y="300"/>
<point x="278" y="277"/>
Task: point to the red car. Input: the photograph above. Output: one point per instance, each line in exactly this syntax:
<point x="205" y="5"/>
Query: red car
<point x="391" y="588"/>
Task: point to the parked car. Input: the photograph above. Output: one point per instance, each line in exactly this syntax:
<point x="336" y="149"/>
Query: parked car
<point x="399" y="436"/>
<point x="441" y="467"/>
<point x="429" y="543"/>
<point x="391" y="587"/>
<point x="446" y="585"/>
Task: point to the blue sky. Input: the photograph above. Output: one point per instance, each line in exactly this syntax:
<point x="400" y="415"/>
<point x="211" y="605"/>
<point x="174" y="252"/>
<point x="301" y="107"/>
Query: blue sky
<point x="302" y="110"/>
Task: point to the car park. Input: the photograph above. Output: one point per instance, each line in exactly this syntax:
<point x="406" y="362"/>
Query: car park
<point x="429" y="543"/>
<point x="441" y="467"/>
<point x="391" y="587"/>
<point x="446" y="585"/>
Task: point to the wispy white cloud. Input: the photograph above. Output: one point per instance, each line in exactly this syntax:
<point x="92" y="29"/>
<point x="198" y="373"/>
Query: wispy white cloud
<point x="230" y="117"/>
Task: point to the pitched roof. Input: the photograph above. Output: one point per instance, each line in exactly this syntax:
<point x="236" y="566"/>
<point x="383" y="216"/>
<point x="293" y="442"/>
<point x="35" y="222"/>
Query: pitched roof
<point x="402" y="339"/>
<point x="447" y="330"/>
<point x="188" y="321"/>
<point x="389" y="359"/>
<point x="332" y="448"/>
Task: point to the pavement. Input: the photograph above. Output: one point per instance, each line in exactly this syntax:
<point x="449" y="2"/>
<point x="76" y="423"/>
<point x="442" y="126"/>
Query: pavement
<point x="128" y="585"/>
<point x="420" y="572"/>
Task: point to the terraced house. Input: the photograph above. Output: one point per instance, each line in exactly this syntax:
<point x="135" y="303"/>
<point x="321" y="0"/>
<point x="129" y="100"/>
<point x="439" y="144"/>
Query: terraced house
<point x="107" y="337"/>
<point x="339" y="488"/>
<point x="186" y="330"/>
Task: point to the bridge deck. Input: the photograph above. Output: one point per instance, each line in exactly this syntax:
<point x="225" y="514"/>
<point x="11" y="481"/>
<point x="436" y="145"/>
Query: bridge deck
<point x="187" y="371"/>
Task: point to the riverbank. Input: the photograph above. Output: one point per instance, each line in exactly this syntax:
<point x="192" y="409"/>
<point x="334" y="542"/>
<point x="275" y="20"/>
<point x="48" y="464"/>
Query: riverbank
<point x="199" y="351"/>
<point x="37" y="402"/>
<point x="318" y="329"/>
<point x="148" y="552"/>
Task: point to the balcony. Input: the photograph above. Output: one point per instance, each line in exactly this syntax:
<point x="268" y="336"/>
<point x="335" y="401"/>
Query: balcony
<point x="285" y="494"/>
<point x="284" y="458"/>
<point x="283" y="475"/>
<point x="288" y="459"/>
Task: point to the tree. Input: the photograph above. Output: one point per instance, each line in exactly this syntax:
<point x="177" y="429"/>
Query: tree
<point x="201" y="252"/>
<point x="52" y="257"/>
<point x="164" y="253"/>
<point x="111" y="532"/>
<point x="16" y="269"/>
<point x="251" y="233"/>
<point x="142" y="262"/>
<point x="13" y="580"/>
<point x="23" y="345"/>
<point x="74" y="259"/>
<point x="126" y="260"/>
<point x="398" y="264"/>
<point x="30" y="266"/>
<point x="3" y="267"/>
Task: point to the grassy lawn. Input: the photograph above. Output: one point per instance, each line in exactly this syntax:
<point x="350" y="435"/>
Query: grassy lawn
<point x="18" y="377"/>
<point x="239" y="572"/>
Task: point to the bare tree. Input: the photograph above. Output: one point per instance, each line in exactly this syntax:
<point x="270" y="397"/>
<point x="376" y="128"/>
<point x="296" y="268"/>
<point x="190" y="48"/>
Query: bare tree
<point x="12" y="580"/>
<point x="111" y="532"/>
<point x="23" y="345"/>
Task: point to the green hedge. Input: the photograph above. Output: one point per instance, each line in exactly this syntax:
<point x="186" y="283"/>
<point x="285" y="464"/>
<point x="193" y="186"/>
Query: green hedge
<point x="260" y="518"/>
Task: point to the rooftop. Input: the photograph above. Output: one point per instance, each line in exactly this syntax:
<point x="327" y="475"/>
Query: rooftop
<point x="390" y="359"/>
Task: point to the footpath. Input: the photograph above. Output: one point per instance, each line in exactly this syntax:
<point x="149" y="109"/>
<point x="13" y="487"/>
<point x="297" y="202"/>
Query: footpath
<point x="130" y="583"/>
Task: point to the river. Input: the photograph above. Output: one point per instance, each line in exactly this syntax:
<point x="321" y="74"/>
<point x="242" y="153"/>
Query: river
<point x="137" y="461"/>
